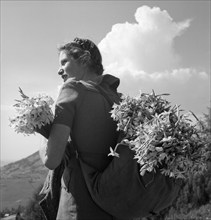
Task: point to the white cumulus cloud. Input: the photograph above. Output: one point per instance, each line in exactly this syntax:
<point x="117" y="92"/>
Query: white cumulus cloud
<point x="147" y="45"/>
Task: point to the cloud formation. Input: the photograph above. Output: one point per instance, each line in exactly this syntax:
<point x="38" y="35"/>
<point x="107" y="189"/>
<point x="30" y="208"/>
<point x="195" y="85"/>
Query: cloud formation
<point x="143" y="56"/>
<point x="147" y="45"/>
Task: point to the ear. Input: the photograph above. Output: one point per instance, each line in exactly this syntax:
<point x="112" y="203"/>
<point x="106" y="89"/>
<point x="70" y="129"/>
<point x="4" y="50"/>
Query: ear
<point x="85" y="58"/>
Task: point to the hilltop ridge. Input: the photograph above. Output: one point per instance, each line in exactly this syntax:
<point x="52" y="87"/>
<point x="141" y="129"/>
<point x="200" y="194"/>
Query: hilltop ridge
<point x="29" y="167"/>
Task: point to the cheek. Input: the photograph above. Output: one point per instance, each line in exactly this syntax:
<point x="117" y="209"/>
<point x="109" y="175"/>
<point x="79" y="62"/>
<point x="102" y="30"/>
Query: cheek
<point x="68" y="69"/>
<point x="74" y="69"/>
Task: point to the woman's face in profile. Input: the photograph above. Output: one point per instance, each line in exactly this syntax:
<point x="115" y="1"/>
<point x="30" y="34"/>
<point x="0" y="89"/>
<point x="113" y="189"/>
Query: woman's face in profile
<point x="69" y="68"/>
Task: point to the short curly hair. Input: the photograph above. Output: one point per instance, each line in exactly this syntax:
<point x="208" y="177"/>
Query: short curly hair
<point x="86" y="52"/>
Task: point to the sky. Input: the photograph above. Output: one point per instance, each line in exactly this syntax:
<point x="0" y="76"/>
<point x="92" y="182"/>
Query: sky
<point x="150" y="45"/>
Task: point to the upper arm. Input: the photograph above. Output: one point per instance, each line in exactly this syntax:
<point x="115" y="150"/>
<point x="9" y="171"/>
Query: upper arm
<point x="61" y="128"/>
<point x="56" y="145"/>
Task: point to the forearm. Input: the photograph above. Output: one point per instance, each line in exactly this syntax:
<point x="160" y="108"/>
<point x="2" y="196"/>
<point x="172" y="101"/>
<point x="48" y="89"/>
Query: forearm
<point x="52" y="150"/>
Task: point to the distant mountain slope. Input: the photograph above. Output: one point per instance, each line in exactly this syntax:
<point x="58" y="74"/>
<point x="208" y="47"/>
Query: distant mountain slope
<point x="20" y="179"/>
<point x="30" y="167"/>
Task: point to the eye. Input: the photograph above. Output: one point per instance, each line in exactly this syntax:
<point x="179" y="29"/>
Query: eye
<point x="63" y="62"/>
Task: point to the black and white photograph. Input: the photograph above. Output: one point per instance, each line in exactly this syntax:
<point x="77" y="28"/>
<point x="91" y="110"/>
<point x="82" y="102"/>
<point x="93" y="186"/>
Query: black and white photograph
<point x="105" y="110"/>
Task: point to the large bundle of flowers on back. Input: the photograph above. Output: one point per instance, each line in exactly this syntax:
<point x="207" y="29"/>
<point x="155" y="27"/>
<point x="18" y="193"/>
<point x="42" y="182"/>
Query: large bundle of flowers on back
<point x="32" y="113"/>
<point x="161" y="136"/>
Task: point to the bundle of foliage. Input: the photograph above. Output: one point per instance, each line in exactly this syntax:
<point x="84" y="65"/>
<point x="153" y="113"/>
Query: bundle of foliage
<point x="32" y="113"/>
<point x="197" y="190"/>
<point x="161" y="136"/>
<point x="194" y="200"/>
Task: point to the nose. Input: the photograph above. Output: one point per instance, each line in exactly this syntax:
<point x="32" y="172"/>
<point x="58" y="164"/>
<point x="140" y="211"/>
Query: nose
<point x="60" y="72"/>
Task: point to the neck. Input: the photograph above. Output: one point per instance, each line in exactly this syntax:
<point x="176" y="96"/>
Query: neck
<point x="90" y="76"/>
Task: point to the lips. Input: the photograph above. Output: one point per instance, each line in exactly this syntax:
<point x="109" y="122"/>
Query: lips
<point x="64" y="77"/>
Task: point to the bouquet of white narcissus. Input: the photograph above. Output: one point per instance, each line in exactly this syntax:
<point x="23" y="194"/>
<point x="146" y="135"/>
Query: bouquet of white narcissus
<point x="161" y="136"/>
<point x="32" y="113"/>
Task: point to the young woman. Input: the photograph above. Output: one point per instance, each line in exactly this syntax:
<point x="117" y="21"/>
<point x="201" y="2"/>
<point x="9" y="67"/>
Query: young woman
<point x="81" y="114"/>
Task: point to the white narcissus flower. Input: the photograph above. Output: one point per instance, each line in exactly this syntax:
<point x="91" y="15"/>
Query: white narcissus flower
<point x="159" y="134"/>
<point x="32" y="113"/>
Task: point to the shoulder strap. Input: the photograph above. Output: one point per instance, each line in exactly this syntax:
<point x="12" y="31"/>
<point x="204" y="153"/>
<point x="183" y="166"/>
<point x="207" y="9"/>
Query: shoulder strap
<point x="103" y="93"/>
